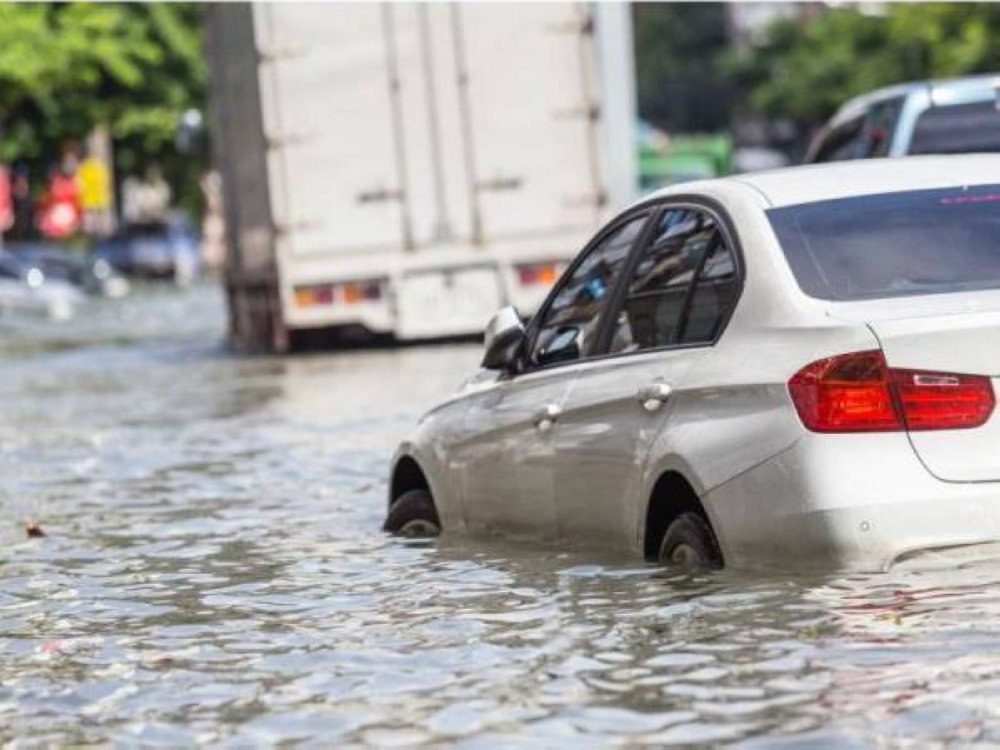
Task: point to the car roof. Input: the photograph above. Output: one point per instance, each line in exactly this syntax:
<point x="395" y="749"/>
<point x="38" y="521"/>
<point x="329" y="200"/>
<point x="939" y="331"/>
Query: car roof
<point x="828" y="181"/>
<point x="941" y="91"/>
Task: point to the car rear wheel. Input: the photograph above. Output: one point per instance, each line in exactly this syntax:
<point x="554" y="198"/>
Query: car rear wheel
<point x="413" y="515"/>
<point x="689" y="543"/>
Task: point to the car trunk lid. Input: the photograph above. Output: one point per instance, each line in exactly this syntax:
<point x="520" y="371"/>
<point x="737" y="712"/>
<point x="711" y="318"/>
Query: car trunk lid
<point x="966" y="343"/>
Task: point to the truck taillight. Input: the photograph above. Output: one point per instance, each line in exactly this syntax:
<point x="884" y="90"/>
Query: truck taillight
<point x="358" y="291"/>
<point x="859" y="392"/>
<point x="340" y="293"/>
<point x="544" y="274"/>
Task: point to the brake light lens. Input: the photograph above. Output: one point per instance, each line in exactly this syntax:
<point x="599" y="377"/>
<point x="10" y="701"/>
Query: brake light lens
<point x="939" y="401"/>
<point x="850" y="393"/>
<point x="859" y="392"/>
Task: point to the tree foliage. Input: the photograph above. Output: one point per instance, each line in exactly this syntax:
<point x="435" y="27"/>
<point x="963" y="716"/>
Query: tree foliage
<point x="807" y="67"/>
<point x="681" y="85"/>
<point x="66" y="67"/>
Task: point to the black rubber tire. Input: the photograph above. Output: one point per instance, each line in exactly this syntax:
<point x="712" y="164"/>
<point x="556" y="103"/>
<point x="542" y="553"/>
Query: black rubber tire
<point x="413" y="514"/>
<point x="689" y="543"/>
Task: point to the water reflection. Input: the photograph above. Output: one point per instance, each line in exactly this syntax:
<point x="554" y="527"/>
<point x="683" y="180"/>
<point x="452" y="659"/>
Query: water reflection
<point x="213" y="572"/>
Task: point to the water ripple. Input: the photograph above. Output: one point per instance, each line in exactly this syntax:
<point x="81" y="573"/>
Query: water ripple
<point x="213" y="573"/>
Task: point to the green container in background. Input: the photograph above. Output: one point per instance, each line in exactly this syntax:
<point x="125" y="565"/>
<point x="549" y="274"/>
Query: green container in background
<point x="668" y="160"/>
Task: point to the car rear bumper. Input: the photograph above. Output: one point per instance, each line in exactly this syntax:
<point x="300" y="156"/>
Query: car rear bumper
<point x="857" y="502"/>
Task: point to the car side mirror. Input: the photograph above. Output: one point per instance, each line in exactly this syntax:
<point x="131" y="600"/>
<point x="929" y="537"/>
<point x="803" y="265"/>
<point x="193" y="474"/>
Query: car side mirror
<point x="503" y="340"/>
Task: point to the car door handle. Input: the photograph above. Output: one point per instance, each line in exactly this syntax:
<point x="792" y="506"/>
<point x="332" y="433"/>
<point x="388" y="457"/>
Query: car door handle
<point x="653" y="396"/>
<point x="546" y="417"/>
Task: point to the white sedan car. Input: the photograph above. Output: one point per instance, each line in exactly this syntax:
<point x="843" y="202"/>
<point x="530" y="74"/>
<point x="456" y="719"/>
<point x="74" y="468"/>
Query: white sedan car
<point x="793" y="367"/>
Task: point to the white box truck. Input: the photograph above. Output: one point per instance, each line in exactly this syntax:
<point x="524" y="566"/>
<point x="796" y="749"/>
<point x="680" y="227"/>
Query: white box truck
<point x="423" y="164"/>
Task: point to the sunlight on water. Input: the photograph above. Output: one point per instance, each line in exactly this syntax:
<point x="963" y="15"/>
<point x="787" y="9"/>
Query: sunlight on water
<point x="213" y="572"/>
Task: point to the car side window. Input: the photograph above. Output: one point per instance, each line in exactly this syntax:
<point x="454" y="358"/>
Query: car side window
<point x="682" y="288"/>
<point x="957" y="129"/>
<point x="569" y="325"/>
<point x="714" y="294"/>
<point x="880" y="126"/>
<point x="842" y="143"/>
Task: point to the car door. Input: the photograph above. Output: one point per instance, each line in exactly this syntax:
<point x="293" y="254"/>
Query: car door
<point x="679" y="293"/>
<point x="506" y="458"/>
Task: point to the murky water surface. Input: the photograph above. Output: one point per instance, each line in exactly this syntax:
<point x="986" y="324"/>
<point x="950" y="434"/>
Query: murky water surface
<point x="213" y="573"/>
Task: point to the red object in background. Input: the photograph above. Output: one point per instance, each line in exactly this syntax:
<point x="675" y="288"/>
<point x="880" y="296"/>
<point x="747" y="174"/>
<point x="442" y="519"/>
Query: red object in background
<point x="6" y="200"/>
<point x="61" y="213"/>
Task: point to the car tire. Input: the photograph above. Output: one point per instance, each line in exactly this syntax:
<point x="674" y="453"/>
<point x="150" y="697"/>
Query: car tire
<point x="413" y="515"/>
<point x="689" y="543"/>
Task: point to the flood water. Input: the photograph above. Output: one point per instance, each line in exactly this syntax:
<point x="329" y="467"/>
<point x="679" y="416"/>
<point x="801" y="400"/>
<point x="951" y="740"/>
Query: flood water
<point x="213" y="572"/>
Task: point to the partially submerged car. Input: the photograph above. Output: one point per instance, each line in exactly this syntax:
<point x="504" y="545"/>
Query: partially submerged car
<point x="26" y="290"/>
<point x="166" y="249"/>
<point x="93" y="275"/>
<point x="786" y="368"/>
<point x="957" y="116"/>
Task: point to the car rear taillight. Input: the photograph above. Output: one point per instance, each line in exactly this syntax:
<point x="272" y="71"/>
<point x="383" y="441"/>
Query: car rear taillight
<point x="850" y="393"/>
<point x="940" y="401"/>
<point x="860" y="393"/>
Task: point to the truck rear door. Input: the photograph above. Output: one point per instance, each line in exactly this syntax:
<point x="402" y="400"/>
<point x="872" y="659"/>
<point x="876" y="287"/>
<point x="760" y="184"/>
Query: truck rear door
<point x="334" y="158"/>
<point x="532" y="151"/>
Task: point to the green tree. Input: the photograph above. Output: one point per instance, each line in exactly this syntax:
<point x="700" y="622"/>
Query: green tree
<point x="67" y="67"/>
<point x="806" y="68"/>
<point x="682" y="87"/>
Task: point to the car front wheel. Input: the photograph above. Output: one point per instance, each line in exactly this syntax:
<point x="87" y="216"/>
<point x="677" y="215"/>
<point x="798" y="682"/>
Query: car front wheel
<point x="689" y="543"/>
<point x="413" y="515"/>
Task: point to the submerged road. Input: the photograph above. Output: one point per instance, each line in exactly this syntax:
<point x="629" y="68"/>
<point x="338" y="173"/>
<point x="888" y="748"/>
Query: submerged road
<point x="213" y="571"/>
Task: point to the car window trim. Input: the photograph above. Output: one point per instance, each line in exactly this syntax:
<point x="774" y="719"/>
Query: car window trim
<point x="650" y="211"/>
<point x="685" y="315"/>
<point x="728" y="230"/>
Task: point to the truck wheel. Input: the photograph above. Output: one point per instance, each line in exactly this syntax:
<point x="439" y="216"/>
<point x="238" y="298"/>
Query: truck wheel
<point x="413" y="514"/>
<point x="689" y="543"/>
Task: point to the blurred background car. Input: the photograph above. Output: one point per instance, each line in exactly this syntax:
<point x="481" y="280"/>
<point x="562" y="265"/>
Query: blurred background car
<point x="93" y="275"/>
<point x="25" y="289"/>
<point x="956" y="116"/>
<point x="159" y="249"/>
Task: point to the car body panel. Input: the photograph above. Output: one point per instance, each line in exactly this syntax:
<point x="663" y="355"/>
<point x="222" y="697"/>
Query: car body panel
<point x="825" y="502"/>
<point x="603" y="436"/>
<point x="506" y="460"/>
<point x="966" y="343"/>
<point x="812" y="183"/>
<point x="431" y="447"/>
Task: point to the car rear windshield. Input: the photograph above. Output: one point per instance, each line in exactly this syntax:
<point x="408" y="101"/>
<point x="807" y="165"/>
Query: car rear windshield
<point x="895" y="244"/>
<point x="958" y="129"/>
